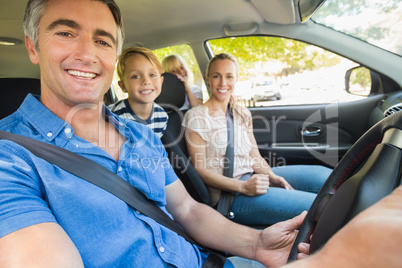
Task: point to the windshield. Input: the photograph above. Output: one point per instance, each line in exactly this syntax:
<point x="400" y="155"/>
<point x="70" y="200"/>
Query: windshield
<point x="378" y="22"/>
<point x="263" y="84"/>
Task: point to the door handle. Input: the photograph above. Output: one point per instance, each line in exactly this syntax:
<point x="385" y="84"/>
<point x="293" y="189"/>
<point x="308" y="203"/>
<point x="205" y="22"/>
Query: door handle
<point x="311" y="131"/>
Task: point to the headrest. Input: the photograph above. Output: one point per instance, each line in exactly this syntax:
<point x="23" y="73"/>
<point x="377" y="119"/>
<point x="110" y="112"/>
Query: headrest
<point x="173" y="93"/>
<point x="14" y="90"/>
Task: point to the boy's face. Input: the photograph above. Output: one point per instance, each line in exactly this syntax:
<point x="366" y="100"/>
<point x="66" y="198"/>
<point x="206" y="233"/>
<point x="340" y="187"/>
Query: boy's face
<point x="141" y="80"/>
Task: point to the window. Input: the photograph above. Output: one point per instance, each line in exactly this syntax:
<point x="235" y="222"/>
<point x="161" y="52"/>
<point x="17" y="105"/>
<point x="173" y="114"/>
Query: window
<point x="281" y="71"/>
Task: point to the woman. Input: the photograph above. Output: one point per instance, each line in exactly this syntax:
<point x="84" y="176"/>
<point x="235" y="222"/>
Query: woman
<point x="176" y="65"/>
<point x="265" y="197"/>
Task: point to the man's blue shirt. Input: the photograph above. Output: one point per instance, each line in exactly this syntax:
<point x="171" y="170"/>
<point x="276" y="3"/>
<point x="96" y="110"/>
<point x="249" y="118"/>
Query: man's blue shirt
<point x="106" y="231"/>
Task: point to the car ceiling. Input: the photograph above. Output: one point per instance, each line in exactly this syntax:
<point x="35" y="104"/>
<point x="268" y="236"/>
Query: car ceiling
<point x="155" y="24"/>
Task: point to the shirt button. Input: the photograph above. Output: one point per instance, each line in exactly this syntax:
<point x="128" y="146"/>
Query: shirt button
<point x="138" y="212"/>
<point x="162" y="249"/>
<point x="120" y="169"/>
<point x="67" y="130"/>
<point x="49" y="134"/>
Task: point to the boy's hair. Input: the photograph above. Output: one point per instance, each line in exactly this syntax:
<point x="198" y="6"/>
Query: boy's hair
<point x="147" y="53"/>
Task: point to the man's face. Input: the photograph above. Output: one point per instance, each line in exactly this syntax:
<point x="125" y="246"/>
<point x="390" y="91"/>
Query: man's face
<point x="77" y="52"/>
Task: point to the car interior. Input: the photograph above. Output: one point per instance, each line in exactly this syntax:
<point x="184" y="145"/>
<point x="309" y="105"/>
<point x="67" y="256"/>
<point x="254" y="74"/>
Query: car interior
<point x="343" y="135"/>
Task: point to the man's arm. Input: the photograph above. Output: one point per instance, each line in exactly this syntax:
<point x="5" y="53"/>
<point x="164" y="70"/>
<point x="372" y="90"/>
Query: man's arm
<point x="40" y="245"/>
<point x="209" y="228"/>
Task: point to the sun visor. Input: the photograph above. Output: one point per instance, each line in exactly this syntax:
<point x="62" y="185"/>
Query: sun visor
<point x="286" y="11"/>
<point x="277" y="11"/>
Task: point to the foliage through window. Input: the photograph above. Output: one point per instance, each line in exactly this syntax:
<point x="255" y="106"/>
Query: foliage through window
<point x="301" y="73"/>
<point x="374" y="21"/>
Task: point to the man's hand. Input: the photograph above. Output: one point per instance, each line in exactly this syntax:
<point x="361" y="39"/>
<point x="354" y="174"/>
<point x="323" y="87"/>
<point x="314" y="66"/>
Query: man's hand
<point x="276" y="241"/>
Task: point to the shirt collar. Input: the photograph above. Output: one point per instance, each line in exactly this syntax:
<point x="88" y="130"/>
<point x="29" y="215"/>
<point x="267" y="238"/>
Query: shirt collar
<point x="41" y="118"/>
<point x="49" y="125"/>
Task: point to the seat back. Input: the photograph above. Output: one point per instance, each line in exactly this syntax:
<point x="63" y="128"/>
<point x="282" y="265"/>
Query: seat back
<point x="13" y="91"/>
<point x="173" y="93"/>
<point x="171" y="99"/>
<point x="175" y="144"/>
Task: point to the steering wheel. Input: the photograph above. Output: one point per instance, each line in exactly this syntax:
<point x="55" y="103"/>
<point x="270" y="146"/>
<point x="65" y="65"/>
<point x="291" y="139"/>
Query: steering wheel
<point x="370" y="170"/>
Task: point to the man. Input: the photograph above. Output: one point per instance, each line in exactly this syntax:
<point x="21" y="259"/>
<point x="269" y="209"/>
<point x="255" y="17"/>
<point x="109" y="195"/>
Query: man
<point x="49" y="217"/>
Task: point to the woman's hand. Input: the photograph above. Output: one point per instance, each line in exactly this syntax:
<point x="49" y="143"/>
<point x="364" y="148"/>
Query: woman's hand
<point x="184" y="80"/>
<point x="258" y="184"/>
<point x="279" y="182"/>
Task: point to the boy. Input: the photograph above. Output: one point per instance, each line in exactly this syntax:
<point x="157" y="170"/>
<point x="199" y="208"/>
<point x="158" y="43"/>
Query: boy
<point x="139" y="71"/>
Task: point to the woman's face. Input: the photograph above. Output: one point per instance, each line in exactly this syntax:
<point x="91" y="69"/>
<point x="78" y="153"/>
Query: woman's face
<point x="222" y="79"/>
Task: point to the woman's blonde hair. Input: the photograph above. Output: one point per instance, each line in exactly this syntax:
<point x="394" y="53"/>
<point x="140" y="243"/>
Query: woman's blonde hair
<point x="147" y="53"/>
<point x="234" y="107"/>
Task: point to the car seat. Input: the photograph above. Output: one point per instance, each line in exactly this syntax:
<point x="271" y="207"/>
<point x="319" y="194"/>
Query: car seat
<point x="173" y="93"/>
<point x="13" y="92"/>
<point x="172" y="97"/>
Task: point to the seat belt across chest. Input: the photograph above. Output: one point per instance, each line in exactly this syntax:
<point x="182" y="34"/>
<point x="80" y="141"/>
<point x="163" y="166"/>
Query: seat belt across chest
<point x="100" y="176"/>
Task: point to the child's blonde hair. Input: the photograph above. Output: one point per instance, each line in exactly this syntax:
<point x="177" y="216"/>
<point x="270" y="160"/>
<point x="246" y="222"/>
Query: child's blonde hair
<point x="147" y="53"/>
<point x="174" y="61"/>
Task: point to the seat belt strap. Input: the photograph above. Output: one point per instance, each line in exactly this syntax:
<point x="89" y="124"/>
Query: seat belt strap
<point x="226" y="198"/>
<point x="94" y="173"/>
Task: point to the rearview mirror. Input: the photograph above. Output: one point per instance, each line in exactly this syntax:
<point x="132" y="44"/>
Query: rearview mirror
<point x="308" y="7"/>
<point x="358" y="81"/>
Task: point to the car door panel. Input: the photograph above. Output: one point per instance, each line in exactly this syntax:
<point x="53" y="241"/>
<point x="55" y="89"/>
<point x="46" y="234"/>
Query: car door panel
<point x="330" y="130"/>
